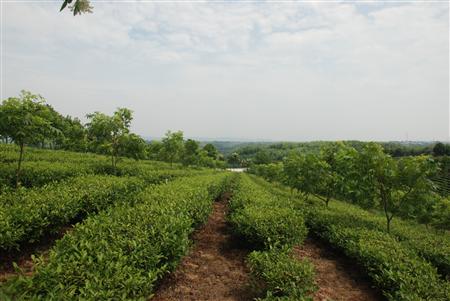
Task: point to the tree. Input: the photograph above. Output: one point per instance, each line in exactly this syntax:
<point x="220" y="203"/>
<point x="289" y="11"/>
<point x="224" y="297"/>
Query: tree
<point x="26" y="120"/>
<point x="234" y="160"/>
<point x="262" y="157"/>
<point x="154" y="150"/>
<point x="441" y="214"/>
<point x="396" y="183"/>
<point x="107" y="133"/>
<point x="78" y="7"/>
<point x="191" y="152"/>
<point x="172" y="146"/>
<point x="211" y="150"/>
<point x="304" y="172"/>
<point x="440" y="149"/>
<point x="133" y="146"/>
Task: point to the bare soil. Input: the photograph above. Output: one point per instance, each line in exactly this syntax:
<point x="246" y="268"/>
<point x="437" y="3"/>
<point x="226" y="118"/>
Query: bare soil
<point x="214" y="270"/>
<point x="23" y="257"/>
<point x="337" y="278"/>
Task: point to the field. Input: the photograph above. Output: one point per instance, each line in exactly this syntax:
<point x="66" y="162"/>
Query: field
<point x="76" y="229"/>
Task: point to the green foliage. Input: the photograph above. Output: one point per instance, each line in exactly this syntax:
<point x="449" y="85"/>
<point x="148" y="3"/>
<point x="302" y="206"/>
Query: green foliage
<point x="27" y="215"/>
<point x="122" y="252"/>
<point x="107" y="134"/>
<point x="441" y="149"/>
<point x="395" y="268"/>
<point x="279" y="275"/>
<point x="26" y="119"/>
<point x="191" y="152"/>
<point x="441" y="216"/>
<point x="395" y="261"/>
<point x="211" y="150"/>
<point x="78" y="7"/>
<point x="270" y="226"/>
<point x="172" y="146"/>
<point x="270" y="222"/>
<point x="263" y="219"/>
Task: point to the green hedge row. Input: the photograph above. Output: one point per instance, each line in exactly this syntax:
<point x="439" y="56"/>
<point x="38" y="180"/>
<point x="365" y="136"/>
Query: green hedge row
<point x="281" y="276"/>
<point x="270" y="223"/>
<point x="122" y="252"/>
<point x="396" y="269"/>
<point x="263" y="219"/>
<point x="36" y="174"/>
<point x="433" y="246"/>
<point x="28" y="214"/>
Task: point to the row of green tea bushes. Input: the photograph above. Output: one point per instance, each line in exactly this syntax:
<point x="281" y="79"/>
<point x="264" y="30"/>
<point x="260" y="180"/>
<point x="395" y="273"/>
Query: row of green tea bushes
<point x="9" y="153"/>
<point x="36" y="174"/>
<point x="280" y="276"/>
<point x="28" y="214"/>
<point x="431" y="245"/>
<point x="272" y="226"/>
<point x="121" y="253"/>
<point x="394" y="268"/>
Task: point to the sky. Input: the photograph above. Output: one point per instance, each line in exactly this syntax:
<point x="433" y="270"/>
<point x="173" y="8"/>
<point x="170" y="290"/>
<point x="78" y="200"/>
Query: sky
<point x="286" y="71"/>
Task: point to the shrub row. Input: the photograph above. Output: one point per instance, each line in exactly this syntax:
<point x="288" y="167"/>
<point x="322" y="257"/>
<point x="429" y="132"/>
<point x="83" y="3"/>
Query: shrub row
<point x="280" y="276"/>
<point x="36" y="174"/>
<point x="263" y="219"/>
<point x="433" y="246"/>
<point x="9" y="153"/>
<point x="28" y="214"/>
<point x="396" y="269"/>
<point x="271" y="224"/>
<point x="122" y="252"/>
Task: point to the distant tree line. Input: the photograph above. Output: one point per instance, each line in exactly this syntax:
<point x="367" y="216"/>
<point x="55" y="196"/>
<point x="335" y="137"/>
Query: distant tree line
<point x="27" y="120"/>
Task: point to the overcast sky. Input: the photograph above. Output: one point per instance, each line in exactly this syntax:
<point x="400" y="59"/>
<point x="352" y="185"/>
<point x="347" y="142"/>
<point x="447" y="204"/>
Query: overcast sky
<point x="271" y="71"/>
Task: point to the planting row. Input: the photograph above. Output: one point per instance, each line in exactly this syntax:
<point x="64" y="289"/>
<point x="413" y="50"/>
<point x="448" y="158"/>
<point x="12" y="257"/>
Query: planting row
<point x="272" y="226"/>
<point x="120" y="253"/>
<point x="28" y="214"/>
<point x="35" y="174"/>
<point x="9" y="153"/>
<point x="394" y="268"/>
<point x="434" y="246"/>
<point x="394" y="265"/>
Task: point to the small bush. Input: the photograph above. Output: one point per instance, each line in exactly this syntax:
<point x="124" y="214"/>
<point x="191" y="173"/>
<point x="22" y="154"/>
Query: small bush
<point x="281" y="276"/>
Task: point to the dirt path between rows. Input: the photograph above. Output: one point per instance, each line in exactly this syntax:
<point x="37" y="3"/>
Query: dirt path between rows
<point x="23" y="257"/>
<point x="337" y="277"/>
<point x="214" y="270"/>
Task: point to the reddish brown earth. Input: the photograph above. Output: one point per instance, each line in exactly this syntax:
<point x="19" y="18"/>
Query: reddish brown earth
<point x="23" y="257"/>
<point x="337" y="278"/>
<point x="214" y="270"/>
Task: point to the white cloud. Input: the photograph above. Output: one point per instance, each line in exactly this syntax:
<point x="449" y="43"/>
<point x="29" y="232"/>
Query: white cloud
<point x="292" y="71"/>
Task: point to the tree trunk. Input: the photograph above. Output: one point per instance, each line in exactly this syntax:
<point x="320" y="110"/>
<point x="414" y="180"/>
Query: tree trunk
<point x="19" y="165"/>
<point x="327" y="201"/>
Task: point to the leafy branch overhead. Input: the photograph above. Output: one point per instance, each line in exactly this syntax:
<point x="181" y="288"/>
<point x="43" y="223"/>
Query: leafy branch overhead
<point x="78" y="7"/>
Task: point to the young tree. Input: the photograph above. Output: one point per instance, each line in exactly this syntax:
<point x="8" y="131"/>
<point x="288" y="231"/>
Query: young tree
<point x="211" y="150"/>
<point x="133" y="146"/>
<point x="191" y="152"/>
<point x="234" y="160"/>
<point x="107" y="132"/>
<point x="172" y="146"/>
<point x="395" y="183"/>
<point x="305" y="173"/>
<point x="26" y="120"/>
<point x="154" y="150"/>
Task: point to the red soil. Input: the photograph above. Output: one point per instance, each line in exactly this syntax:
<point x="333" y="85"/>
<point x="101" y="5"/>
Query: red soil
<point x="214" y="270"/>
<point x="336" y="276"/>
